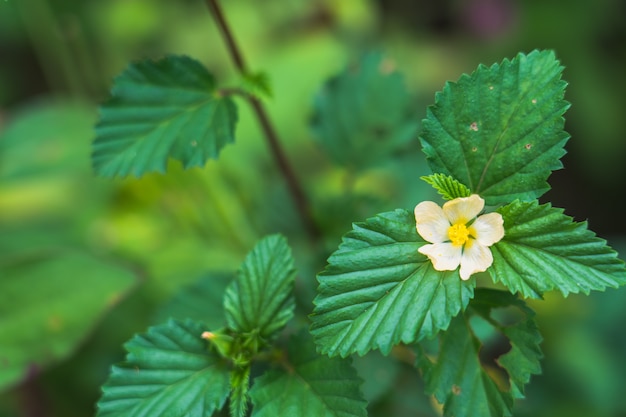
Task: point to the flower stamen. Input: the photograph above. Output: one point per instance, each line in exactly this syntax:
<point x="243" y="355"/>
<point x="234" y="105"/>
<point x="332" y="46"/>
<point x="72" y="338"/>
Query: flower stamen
<point x="458" y="234"/>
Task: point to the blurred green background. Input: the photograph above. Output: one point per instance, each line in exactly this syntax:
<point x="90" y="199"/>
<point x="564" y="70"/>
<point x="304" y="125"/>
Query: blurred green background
<point x="98" y="259"/>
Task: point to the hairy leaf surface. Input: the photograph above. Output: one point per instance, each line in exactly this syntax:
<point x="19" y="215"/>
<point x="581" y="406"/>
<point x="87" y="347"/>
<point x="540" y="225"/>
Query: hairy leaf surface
<point x="169" y="371"/>
<point x="500" y="130"/>
<point x="543" y="250"/>
<point x="159" y="110"/>
<point x="378" y="290"/>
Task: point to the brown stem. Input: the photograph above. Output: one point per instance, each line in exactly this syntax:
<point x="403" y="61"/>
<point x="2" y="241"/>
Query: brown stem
<point x="271" y="136"/>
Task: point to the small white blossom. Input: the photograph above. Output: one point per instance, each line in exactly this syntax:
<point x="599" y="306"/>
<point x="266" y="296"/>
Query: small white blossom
<point x="458" y="235"/>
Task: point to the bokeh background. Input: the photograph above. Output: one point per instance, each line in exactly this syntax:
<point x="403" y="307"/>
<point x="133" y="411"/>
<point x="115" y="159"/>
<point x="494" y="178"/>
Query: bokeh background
<point x="62" y="229"/>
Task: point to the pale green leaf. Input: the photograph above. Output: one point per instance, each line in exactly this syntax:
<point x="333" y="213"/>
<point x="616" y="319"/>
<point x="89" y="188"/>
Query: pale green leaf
<point x="543" y="249"/>
<point x="261" y="296"/>
<point x="311" y="385"/>
<point x="48" y="306"/>
<point x="159" y="110"/>
<point x="257" y="84"/>
<point x="446" y="186"/>
<point x="169" y="372"/>
<point x="365" y="113"/>
<point x="378" y="290"/>
<point x="500" y="130"/>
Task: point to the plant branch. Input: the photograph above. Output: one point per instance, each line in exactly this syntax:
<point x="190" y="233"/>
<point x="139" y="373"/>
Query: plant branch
<point x="271" y="136"/>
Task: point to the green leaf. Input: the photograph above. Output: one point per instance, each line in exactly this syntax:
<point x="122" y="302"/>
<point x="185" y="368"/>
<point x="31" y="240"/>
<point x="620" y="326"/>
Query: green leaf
<point x="311" y="385"/>
<point x="258" y="84"/>
<point x="378" y="290"/>
<point x="261" y="296"/>
<point x="457" y="379"/>
<point x="49" y="305"/>
<point x="523" y="360"/>
<point x="239" y="386"/>
<point x="159" y="110"/>
<point x="500" y="130"/>
<point x="364" y="114"/>
<point x="543" y="249"/>
<point x="168" y="372"/>
<point x="469" y="386"/>
<point x="447" y="187"/>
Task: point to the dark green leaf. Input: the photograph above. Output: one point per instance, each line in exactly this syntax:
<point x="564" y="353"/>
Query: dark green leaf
<point x="311" y="385"/>
<point x="458" y="380"/>
<point x="467" y="381"/>
<point x="378" y="290"/>
<point x="159" y="110"/>
<point x="49" y="305"/>
<point x="169" y="372"/>
<point x="500" y="130"/>
<point x="365" y="113"/>
<point x="447" y="187"/>
<point x="523" y="360"/>
<point x="261" y="297"/>
<point x="543" y="249"/>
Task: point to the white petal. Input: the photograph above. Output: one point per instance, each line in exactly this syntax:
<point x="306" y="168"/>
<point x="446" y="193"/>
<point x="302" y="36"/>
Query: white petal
<point x="464" y="208"/>
<point x="475" y="258"/>
<point x="489" y="228"/>
<point x="444" y="256"/>
<point x="431" y="223"/>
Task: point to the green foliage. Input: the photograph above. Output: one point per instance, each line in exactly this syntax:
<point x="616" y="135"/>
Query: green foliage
<point x="239" y="384"/>
<point x="309" y="385"/>
<point x="465" y="385"/>
<point x="258" y="84"/>
<point x="447" y="187"/>
<point x="543" y="249"/>
<point x="168" y="372"/>
<point x="364" y="114"/>
<point x="39" y="300"/>
<point x="500" y="129"/>
<point x="168" y="108"/>
<point x="200" y="301"/>
<point x="378" y="290"/>
<point x="260" y="299"/>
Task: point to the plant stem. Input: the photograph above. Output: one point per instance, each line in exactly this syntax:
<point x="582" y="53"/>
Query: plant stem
<point x="295" y="189"/>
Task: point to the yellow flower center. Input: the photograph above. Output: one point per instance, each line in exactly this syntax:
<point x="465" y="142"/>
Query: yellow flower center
<point x="459" y="234"/>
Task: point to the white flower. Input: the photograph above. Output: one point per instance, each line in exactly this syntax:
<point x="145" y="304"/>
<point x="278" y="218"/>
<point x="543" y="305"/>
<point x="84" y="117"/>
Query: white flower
<point x="458" y="236"/>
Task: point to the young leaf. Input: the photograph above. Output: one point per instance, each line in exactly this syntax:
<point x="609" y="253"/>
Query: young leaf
<point x="543" y="249"/>
<point x="458" y="378"/>
<point x="160" y="110"/>
<point x="261" y="296"/>
<point x="446" y="186"/>
<point x="500" y="130"/>
<point x="312" y="385"/>
<point x="169" y="371"/>
<point x="378" y="290"/>
<point x="239" y="387"/>
<point x="364" y="114"/>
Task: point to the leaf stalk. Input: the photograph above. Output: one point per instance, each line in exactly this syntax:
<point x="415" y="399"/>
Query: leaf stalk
<point x="280" y="158"/>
